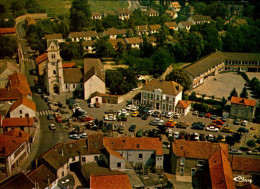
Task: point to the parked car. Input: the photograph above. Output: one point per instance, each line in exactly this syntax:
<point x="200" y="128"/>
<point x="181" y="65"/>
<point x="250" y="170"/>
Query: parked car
<point x="245" y="123"/>
<point x="150" y="112"/>
<point x="202" y="114"/>
<point x="242" y="130"/>
<point x="39" y="89"/>
<point x="145" y="116"/>
<point x="135" y="113"/>
<point x="83" y="135"/>
<point x="129" y="107"/>
<point x="163" y="113"/>
<point x="58" y="119"/>
<point x="134" y="108"/>
<point x="208" y="115"/>
<point x="177" y="116"/>
<point x="170" y="123"/>
<point x="212" y="128"/>
<point x="169" y="115"/>
<point x="224" y="118"/>
<point x="52" y="126"/>
<point x="91" y="105"/>
<point x="198" y="126"/>
<point x="195" y="113"/>
<point x="237" y="122"/>
<point x="132" y="128"/>
<point x="110" y="117"/>
<point x="196" y="136"/>
<point x="156" y="114"/>
<point x="86" y="119"/>
<point x="219" y="122"/>
<point x="213" y="117"/>
<point x="176" y="135"/>
<point x="140" y="133"/>
<point x="182" y="124"/>
<point x="74" y="136"/>
<point x="44" y="96"/>
<point x="227" y="130"/>
<point x="121" y="129"/>
<point x="50" y="117"/>
<point x="210" y="137"/>
<point x="235" y="151"/>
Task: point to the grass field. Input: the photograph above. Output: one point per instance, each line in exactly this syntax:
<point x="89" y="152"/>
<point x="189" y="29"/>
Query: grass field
<point x="62" y="7"/>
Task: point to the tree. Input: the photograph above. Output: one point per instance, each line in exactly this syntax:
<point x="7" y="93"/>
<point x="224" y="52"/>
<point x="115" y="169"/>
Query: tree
<point x="181" y="77"/>
<point x="251" y="143"/>
<point x="161" y="60"/>
<point x="233" y="93"/>
<point x="8" y="46"/>
<point x="244" y="93"/>
<point x="104" y="48"/>
<point x="237" y="137"/>
<point x="17" y="5"/>
<point x="79" y="15"/>
<point x="230" y="140"/>
<point x="161" y="37"/>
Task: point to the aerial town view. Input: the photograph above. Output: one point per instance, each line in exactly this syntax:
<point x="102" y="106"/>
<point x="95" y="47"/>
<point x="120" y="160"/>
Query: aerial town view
<point x="117" y="94"/>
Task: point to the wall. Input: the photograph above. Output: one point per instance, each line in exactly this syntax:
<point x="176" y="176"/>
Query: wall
<point x="113" y="162"/>
<point x="242" y="112"/>
<point x="92" y="85"/>
<point x="70" y="87"/>
<point x="41" y="67"/>
<point x="93" y="100"/>
<point x="16" y="112"/>
<point x="64" y="169"/>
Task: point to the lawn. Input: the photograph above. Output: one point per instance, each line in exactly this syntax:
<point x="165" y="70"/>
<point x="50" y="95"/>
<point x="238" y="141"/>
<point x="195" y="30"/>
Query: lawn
<point x="78" y="62"/>
<point x="62" y="7"/>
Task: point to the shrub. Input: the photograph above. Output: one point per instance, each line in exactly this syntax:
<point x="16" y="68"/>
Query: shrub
<point x="244" y="148"/>
<point x="251" y="143"/>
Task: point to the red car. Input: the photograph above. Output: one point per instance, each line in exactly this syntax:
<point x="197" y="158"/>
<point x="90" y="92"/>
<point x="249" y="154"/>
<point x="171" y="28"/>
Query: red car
<point x="208" y="115"/>
<point x="58" y="119"/>
<point x="86" y="119"/>
<point x="219" y="122"/>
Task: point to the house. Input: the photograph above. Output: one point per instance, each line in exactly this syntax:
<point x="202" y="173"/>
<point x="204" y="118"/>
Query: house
<point x="142" y="29"/>
<point x="205" y="67"/>
<point x="240" y="21"/>
<point x="175" y="6"/>
<point x="151" y="13"/>
<point x="183" y="107"/>
<point x="185" y="25"/>
<point x="43" y="177"/>
<point x="123" y="14"/>
<point x="23" y="107"/>
<point x="161" y="95"/>
<point x="7" y="69"/>
<point x="14" y="150"/>
<point x="201" y="159"/>
<point x="242" y="108"/>
<point x="171" y="25"/>
<point x="89" y="46"/>
<point x="40" y="62"/>
<point x="24" y="124"/>
<point x="154" y="28"/>
<point x="84" y="35"/>
<point x="96" y="15"/>
<point x="236" y="9"/>
<point x="4" y="109"/>
<point x="115" y="42"/>
<point x="134" y="42"/>
<point x="105" y="98"/>
<point x="140" y="152"/>
<point x="72" y="79"/>
<point x="8" y="31"/>
<point x="172" y="14"/>
<point x="152" y="40"/>
<point x="199" y="19"/>
<point x="114" y="33"/>
<point x="57" y="36"/>
<point x="10" y="95"/>
<point x="94" y="77"/>
<point x="19" y="180"/>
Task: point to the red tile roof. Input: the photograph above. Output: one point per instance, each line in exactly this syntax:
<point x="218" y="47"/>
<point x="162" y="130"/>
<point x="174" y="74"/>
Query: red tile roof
<point x="26" y="102"/>
<point x="132" y="143"/>
<point x="10" y="94"/>
<point x="176" y="4"/>
<point x="183" y="104"/>
<point x="68" y="65"/>
<point x="110" y="181"/>
<point x="197" y="149"/>
<point x="20" y="181"/>
<point x="19" y="81"/>
<point x="10" y="144"/>
<point x="243" y="101"/>
<point x="220" y="171"/>
<point x="18" y="133"/>
<point x="7" y="30"/>
<point x="18" y="122"/>
<point x="245" y="164"/>
<point x="41" y="58"/>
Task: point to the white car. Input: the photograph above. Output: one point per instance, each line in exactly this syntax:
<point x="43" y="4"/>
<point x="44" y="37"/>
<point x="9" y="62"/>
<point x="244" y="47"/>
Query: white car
<point x="196" y="136"/>
<point x="135" y="108"/>
<point x="170" y="133"/>
<point x="129" y="107"/>
<point x="123" y="111"/>
<point x="150" y="112"/>
<point x="244" y="123"/>
<point x="83" y="135"/>
<point x="52" y="126"/>
<point x="169" y="115"/>
<point x="110" y="117"/>
<point x="212" y="128"/>
<point x="210" y="137"/>
<point x="176" y="135"/>
<point x="177" y="116"/>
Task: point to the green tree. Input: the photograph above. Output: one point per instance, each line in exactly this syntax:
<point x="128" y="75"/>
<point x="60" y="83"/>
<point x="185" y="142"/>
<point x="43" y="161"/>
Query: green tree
<point x="237" y="137"/>
<point x="230" y="140"/>
<point x="251" y="143"/>
<point x="181" y="77"/>
<point x="233" y="93"/>
<point x="244" y="93"/>
<point x="161" y="60"/>
<point x="161" y="37"/>
<point x="104" y="48"/>
<point x="17" y="5"/>
<point x="79" y="15"/>
<point x="8" y="46"/>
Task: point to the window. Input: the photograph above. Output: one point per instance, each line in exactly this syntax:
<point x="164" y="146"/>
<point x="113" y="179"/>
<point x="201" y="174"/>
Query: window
<point x="119" y="165"/>
<point x="200" y="162"/>
<point x="181" y="170"/>
<point x="73" y="158"/>
<point x="83" y="159"/>
<point x="167" y="98"/>
<point x="182" y="161"/>
<point x="21" y="111"/>
<point x="74" y="86"/>
<point x="140" y="156"/>
<point x="62" y="173"/>
<point x="54" y="72"/>
<point x="66" y="86"/>
<point x="96" y="158"/>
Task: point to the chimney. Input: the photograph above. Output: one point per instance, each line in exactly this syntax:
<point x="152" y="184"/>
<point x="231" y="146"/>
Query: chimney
<point x="62" y="154"/>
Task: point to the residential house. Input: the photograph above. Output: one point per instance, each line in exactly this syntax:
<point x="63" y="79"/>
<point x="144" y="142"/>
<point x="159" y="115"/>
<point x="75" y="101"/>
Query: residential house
<point x="115" y="42"/>
<point x="24" y="124"/>
<point x="206" y="67"/>
<point x="183" y="107"/>
<point x="161" y="95"/>
<point x="123" y="14"/>
<point x="19" y="180"/>
<point x="239" y="22"/>
<point x="134" y="42"/>
<point x="43" y="177"/>
<point x="242" y="108"/>
<point x="152" y="40"/>
<point x="14" y="150"/>
<point x="72" y="79"/>
<point x="119" y="153"/>
<point x="201" y="159"/>
<point x="171" y="25"/>
<point x="114" y="33"/>
<point x="23" y="107"/>
<point x="94" y="77"/>
<point x="154" y="28"/>
<point x="7" y="69"/>
<point x="10" y="95"/>
<point x="142" y="29"/>
<point x="57" y="36"/>
<point x="236" y="9"/>
<point x="175" y="6"/>
<point x="199" y="19"/>
<point x="89" y="46"/>
<point x="8" y="31"/>
<point x="185" y="25"/>
<point x="152" y="13"/>
<point x="84" y="35"/>
<point x="40" y="62"/>
<point x="96" y="15"/>
<point x="172" y="14"/>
